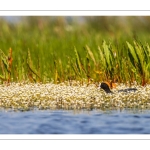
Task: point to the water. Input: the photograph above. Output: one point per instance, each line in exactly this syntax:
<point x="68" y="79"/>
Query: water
<point x="75" y="122"/>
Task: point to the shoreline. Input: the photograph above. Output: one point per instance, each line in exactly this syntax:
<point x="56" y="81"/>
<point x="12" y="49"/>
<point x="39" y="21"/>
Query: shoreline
<point x="26" y="96"/>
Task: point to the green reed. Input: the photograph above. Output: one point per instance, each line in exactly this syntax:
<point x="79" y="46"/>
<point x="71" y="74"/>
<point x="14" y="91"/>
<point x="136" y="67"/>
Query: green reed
<point x="55" y="51"/>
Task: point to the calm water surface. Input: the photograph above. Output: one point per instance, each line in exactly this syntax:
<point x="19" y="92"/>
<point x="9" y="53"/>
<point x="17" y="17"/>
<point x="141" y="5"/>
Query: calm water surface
<point x="75" y="122"/>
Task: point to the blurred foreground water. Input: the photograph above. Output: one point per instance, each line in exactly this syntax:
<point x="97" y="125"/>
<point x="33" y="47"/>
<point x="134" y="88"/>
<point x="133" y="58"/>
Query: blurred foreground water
<point x="75" y="122"/>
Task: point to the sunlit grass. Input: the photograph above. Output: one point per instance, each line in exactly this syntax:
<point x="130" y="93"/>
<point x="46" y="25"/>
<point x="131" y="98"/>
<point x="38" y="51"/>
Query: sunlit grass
<point x="54" y="51"/>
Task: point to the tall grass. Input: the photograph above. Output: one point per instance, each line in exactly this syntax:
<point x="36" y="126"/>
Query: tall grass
<point x="52" y="50"/>
<point x="139" y="57"/>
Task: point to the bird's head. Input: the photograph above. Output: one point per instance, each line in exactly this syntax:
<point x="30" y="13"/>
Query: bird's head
<point x="105" y="87"/>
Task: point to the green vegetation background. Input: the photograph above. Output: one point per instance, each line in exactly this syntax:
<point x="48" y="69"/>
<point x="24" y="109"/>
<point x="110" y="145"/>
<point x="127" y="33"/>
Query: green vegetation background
<point x="90" y="49"/>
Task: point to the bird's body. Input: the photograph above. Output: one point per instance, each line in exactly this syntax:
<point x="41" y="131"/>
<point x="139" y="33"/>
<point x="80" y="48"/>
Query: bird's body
<point x="106" y="88"/>
<point x="128" y="90"/>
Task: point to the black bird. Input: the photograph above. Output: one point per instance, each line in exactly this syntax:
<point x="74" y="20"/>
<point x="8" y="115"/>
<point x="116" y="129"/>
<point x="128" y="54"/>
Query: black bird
<point x="106" y="88"/>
